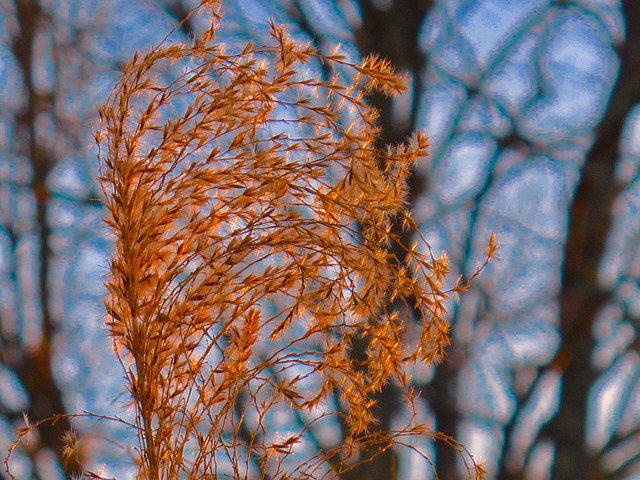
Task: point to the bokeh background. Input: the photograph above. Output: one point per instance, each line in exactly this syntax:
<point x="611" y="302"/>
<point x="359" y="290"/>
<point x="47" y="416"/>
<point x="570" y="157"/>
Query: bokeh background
<point x="532" y="108"/>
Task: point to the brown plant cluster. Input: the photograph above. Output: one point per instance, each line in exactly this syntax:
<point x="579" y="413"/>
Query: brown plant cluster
<point x="254" y="220"/>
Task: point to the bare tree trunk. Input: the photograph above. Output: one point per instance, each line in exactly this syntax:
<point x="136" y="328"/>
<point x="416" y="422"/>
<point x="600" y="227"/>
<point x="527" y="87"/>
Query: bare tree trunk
<point x="582" y="296"/>
<point x="392" y="34"/>
<point x="34" y="368"/>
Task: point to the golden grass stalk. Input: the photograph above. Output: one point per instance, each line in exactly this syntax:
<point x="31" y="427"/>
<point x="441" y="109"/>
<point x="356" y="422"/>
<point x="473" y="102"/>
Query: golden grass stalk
<point x="253" y="216"/>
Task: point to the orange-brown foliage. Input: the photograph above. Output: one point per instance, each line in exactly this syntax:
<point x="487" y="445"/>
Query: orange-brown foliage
<point x="254" y="222"/>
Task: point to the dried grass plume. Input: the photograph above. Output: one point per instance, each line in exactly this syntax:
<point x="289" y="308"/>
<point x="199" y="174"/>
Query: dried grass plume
<point x="256" y="223"/>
